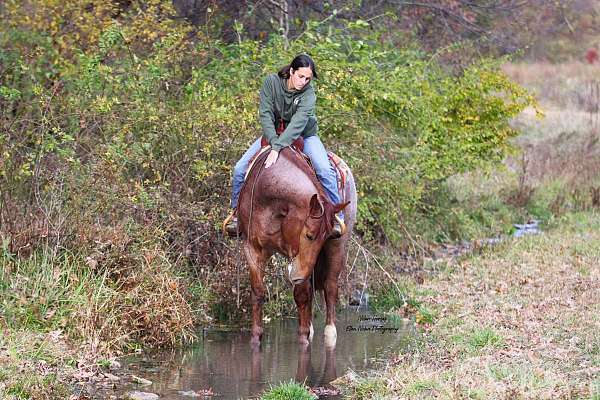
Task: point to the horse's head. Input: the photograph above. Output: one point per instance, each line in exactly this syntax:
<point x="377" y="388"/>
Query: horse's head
<point x="312" y="229"/>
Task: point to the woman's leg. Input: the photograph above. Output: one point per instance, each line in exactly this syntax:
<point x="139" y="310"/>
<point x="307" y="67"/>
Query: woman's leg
<point x="314" y="149"/>
<point x="239" y="171"/>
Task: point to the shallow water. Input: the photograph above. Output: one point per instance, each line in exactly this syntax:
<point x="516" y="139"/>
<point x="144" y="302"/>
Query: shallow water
<point x="225" y="363"/>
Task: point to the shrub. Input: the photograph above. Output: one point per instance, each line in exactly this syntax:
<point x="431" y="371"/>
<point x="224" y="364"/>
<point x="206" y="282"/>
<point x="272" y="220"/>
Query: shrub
<point x="130" y="125"/>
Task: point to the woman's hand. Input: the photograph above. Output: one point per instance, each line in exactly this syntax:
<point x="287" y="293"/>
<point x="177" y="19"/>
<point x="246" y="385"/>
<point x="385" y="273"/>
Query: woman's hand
<point x="271" y="158"/>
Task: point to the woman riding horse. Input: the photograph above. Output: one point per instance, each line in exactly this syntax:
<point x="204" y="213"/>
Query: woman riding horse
<point x="287" y="112"/>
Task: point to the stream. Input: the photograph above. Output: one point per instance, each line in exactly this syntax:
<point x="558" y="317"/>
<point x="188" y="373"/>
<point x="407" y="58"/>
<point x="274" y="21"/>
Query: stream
<point x="223" y="365"/>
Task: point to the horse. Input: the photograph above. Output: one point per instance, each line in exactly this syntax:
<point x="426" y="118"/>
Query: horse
<point x="284" y="209"/>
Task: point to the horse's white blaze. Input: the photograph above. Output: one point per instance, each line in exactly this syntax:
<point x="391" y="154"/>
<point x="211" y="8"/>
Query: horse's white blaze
<point x="293" y="266"/>
<point x="311" y="332"/>
<point x="330" y="335"/>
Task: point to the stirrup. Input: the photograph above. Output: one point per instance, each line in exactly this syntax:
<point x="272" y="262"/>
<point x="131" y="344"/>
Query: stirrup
<point x="335" y="234"/>
<point x="227" y="220"/>
<point x="342" y="225"/>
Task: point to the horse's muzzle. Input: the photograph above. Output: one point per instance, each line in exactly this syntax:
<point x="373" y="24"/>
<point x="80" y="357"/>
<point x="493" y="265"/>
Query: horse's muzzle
<point x="295" y="274"/>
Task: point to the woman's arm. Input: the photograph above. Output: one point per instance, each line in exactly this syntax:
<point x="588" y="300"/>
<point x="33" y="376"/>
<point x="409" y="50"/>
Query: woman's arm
<point x="265" y="110"/>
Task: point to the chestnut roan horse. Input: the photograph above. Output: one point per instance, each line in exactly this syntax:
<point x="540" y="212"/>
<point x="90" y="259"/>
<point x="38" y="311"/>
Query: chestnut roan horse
<point x="284" y="209"/>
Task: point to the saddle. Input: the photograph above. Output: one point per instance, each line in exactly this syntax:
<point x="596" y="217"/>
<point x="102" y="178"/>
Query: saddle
<point x="339" y="165"/>
<point x="297" y="146"/>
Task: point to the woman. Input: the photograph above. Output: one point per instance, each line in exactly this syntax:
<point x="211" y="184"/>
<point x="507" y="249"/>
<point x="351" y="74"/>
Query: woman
<point x="286" y="112"/>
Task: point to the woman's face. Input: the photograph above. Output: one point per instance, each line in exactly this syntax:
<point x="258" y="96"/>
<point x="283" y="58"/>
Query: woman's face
<point x="299" y="78"/>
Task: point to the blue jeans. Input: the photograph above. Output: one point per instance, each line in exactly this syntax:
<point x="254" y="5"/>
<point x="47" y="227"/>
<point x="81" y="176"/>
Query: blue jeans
<point x="313" y="148"/>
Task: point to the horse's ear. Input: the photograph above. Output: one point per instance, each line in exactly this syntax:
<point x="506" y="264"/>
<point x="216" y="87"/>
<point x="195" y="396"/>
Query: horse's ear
<point x="339" y="207"/>
<point x="316" y="207"/>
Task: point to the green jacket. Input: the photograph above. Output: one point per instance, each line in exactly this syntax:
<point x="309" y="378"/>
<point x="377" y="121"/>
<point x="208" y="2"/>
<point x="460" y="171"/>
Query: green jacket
<point x="297" y="108"/>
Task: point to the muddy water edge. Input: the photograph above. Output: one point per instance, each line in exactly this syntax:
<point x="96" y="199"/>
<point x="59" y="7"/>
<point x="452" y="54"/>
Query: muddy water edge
<point x="223" y="365"/>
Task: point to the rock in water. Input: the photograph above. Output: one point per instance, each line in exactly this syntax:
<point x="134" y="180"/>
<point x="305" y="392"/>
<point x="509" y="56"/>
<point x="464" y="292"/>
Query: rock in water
<point x="140" y="381"/>
<point x="141" y="396"/>
<point x="188" y="393"/>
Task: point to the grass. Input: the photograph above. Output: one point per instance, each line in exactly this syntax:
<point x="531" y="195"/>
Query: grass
<point x="111" y="306"/>
<point x="480" y="338"/>
<point x="34" y="366"/>
<point x="397" y="303"/>
<point x="517" y="321"/>
<point x="288" y="391"/>
<point x="63" y="316"/>
<point x="368" y="388"/>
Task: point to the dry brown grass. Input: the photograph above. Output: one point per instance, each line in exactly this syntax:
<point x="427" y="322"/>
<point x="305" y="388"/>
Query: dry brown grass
<point x="521" y="321"/>
<point x="566" y="84"/>
<point x="562" y="146"/>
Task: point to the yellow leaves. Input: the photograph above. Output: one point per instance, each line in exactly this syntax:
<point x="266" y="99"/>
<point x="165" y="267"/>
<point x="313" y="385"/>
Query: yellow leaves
<point x="73" y="25"/>
<point x="466" y="119"/>
<point x="104" y="105"/>
<point x="37" y="89"/>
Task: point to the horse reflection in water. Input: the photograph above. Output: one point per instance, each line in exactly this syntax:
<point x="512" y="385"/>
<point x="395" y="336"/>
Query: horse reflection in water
<point x="231" y="369"/>
<point x="306" y="373"/>
<point x="284" y="209"/>
<point x="223" y="362"/>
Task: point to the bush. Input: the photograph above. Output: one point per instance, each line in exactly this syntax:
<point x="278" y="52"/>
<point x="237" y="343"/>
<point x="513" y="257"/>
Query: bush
<point x="132" y="124"/>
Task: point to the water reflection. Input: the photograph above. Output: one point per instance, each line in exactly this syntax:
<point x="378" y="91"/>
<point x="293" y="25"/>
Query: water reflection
<point x="226" y="363"/>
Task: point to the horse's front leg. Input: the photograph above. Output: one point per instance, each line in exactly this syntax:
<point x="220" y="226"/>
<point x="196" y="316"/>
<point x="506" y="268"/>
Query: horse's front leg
<point x="256" y="261"/>
<point x="331" y="295"/>
<point x="303" y="296"/>
<point x="335" y="260"/>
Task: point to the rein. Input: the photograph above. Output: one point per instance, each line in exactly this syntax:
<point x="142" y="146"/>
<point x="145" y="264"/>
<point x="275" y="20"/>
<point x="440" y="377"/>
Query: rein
<point x="261" y="162"/>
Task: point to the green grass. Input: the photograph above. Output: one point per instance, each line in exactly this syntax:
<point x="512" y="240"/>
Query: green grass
<point x="17" y="383"/>
<point x="596" y="390"/>
<point x="121" y="300"/>
<point x="368" y="388"/>
<point x="421" y="387"/>
<point x="388" y="300"/>
<point x="480" y="338"/>
<point x="42" y="293"/>
<point x="288" y="391"/>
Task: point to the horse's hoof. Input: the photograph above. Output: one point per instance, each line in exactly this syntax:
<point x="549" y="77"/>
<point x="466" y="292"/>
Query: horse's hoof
<point x="255" y="340"/>
<point x="305" y="337"/>
<point x="303" y="340"/>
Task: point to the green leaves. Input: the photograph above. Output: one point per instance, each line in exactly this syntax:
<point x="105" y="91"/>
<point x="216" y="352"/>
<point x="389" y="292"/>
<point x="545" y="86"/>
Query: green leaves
<point x="402" y="122"/>
<point x="9" y="93"/>
<point x="181" y="114"/>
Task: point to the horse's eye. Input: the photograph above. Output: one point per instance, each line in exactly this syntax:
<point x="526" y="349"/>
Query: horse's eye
<point x="310" y="236"/>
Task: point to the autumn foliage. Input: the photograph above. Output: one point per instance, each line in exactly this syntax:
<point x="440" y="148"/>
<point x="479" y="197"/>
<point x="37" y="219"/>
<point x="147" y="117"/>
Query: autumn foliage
<point x="120" y="123"/>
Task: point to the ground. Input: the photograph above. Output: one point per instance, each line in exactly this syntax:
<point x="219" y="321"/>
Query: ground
<point x="520" y="320"/>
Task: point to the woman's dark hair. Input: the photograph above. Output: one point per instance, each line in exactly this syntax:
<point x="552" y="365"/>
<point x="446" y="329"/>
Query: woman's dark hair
<point x="300" y="61"/>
